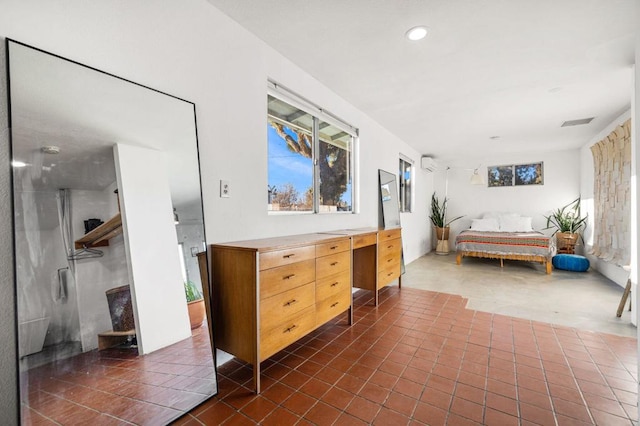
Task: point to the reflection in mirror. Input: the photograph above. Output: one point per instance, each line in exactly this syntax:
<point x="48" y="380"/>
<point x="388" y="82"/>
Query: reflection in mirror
<point x="389" y="200"/>
<point x="389" y="205"/>
<point x="108" y="228"/>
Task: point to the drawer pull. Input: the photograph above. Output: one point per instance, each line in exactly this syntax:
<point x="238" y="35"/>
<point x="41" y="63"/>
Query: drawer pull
<point x="389" y="260"/>
<point x="289" y="329"/>
<point x="334" y="263"/>
<point x="287" y="256"/>
<point x="389" y="274"/>
<point x="335" y="304"/>
<point x="290" y="302"/>
<point x="334" y="284"/>
<point x="391" y="246"/>
<point x="333" y="247"/>
<point x="288" y="277"/>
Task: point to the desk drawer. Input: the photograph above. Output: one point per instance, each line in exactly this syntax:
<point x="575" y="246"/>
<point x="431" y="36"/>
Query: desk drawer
<point x="329" y="265"/>
<point x="388" y="274"/>
<point x="333" y="284"/>
<point x="364" y="240"/>
<point x="277" y="280"/>
<point x="389" y="234"/>
<point x="272" y="259"/>
<point x="275" y="309"/>
<point x="333" y="306"/>
<point x="287" y="332"/>
<point x="389" y="248"/>
<point x="333" y="247"/>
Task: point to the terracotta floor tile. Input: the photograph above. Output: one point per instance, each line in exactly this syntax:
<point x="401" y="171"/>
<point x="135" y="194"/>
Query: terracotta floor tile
<point x="374" y="393"/>
<point x="401" y="403"/>
<point x="470" y="393"/>
<point x="216" y="414"/>
<point x="537" y="415"/>
<point x="363" y="409"/>
<point x="429" y="414"/>
<point x="322" y="414"/>
<point x="498" y="418"/>
<point x="299" y="403"/>
<point x="259" y="408"/>
<point x="467" y="409"/>
<point x="571" y="409"/>
<point x="279" y="417"/>
<point x="338" y="398"/>
<point x="501" y="403"/>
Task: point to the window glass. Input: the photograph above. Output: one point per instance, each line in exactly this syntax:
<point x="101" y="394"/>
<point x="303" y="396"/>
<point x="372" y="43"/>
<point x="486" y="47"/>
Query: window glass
<point x="334" y="164"/>
<point x="310" y="162"/>
<point x="405" y="177"/>
<point x="290" y="158"/>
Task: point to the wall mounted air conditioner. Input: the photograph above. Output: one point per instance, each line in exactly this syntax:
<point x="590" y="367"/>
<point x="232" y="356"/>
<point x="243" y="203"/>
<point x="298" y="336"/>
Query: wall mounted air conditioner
<point x="428" y="164"/>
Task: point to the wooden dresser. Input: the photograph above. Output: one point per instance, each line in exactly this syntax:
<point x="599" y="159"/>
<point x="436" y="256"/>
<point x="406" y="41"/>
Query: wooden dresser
<point x="268" y="293"/>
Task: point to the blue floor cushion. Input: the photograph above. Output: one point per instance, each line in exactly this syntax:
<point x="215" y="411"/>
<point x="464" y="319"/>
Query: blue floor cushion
<point x="570" y="262"/>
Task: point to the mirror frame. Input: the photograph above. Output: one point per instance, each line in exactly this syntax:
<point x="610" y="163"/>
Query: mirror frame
<point x="11" y="273"/>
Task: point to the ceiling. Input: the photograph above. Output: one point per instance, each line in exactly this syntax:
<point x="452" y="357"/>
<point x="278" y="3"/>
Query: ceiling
<point x="490" y="77"/>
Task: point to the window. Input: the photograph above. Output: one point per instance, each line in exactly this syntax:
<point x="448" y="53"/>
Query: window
<point x="310" y="157"/>
<point x="405" y="177"/>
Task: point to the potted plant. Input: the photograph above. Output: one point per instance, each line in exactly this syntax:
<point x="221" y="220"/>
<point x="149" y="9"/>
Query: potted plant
<point x="441" y="222"/>
<point x="569" y="223"/>
<point x="195" y="304"/>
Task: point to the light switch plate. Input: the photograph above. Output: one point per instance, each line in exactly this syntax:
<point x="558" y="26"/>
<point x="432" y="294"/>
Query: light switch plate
<point x="225" y="190"/>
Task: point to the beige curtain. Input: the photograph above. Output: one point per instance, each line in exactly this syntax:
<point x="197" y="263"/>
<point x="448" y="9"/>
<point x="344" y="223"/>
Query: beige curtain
<point x="612" y="196"/>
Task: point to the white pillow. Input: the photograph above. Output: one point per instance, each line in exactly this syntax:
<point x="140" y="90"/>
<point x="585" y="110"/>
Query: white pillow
<point x="486" y="225"/>
<point x="498" y="215"/>
<point x="515" y="224"/>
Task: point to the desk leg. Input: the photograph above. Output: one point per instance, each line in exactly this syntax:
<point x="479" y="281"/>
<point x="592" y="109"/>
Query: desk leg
<point x="256" y="377"/>
<point x="375" y="297"/>
<point x="400" y="281"/>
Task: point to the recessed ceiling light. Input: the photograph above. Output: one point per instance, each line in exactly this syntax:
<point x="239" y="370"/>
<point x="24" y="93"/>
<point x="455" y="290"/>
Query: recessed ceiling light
<point x="494" y="137"/>
<point x="416" y="33"/>
<point x="18" y="164"/>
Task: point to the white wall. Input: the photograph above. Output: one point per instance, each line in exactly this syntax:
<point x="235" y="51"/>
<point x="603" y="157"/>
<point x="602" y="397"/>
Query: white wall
<point x="561" y="186"/>
<point x="205" y="57"/>
<point x="95" y="276"/>
<point x="615" y="273"/>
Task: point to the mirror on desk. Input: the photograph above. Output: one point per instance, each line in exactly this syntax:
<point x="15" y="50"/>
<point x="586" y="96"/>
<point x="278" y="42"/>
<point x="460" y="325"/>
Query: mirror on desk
<point x="108" y="224"/>
<point x="389" y="200"/>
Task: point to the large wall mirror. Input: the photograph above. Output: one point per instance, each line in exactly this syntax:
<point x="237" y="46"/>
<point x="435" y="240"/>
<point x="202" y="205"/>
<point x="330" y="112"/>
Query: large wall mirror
<point x="108" y="227"/>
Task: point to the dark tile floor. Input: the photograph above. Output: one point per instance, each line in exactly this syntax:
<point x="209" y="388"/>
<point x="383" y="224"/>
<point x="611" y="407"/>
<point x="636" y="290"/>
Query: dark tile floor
<point x="117" y="387"/>
<point x="420" y="357"/>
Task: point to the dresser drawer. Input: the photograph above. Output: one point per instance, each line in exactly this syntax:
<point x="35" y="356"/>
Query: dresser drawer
<point x="281" y="336"/>
<point x="331" y="307"/>
<point x="277" y="280"/>
<point x="329" y="265"/>
<point x="333" y="284"/>
<point x="275" y="309"/>
<point x="388" y="274"/>
<point x="364" y="240"/>
<point x="389" y="248"/>
<point x="333" y="247"/>
<point x="389" y="234"/>
<point x="273" y="259"/>
<point x="388" y="257"/>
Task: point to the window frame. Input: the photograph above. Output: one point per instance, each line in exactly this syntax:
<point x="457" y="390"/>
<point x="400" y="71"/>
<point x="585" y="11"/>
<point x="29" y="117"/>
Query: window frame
<point x="403" y="162"/>
<point x="318" y="115"/>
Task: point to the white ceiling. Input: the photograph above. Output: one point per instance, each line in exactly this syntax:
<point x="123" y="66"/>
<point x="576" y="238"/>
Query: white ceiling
<point x="516" y="69"/>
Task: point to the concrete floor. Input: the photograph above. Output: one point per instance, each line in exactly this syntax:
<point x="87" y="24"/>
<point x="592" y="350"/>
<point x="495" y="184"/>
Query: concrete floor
<point x="586" y="301"/>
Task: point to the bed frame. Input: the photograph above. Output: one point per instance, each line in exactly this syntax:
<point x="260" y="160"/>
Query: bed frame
<point x="546" y="261"/>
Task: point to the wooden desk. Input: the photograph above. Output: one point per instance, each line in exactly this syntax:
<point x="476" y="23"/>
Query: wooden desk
<point x="268" y="293"/>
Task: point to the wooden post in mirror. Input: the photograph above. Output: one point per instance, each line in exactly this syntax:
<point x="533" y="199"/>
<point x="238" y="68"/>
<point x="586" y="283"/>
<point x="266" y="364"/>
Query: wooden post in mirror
<point x="90" y="148"/>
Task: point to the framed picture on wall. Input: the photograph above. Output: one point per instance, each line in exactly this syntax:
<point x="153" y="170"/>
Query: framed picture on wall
<point x="529" y="174"/>
<point x="499" y="176"/>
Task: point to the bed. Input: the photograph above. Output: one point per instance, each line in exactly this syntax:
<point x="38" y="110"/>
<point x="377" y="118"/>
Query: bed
<point x="510" y="238"/>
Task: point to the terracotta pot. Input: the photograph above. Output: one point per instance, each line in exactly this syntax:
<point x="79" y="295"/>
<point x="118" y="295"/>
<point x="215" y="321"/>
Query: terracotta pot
<point x="566" y="242"/>
<point x="196" y="313"/>
<point x="439" y="232"/>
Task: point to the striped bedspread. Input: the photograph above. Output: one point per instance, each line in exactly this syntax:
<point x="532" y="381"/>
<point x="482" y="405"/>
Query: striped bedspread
<point x="505" y="243"/>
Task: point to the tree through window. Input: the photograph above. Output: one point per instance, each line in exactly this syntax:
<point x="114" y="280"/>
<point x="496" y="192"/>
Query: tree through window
<point x="310" y="161"/>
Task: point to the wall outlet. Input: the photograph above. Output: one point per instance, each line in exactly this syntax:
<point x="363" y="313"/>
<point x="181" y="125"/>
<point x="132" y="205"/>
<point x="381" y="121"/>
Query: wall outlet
<point x="225" y="189"/>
